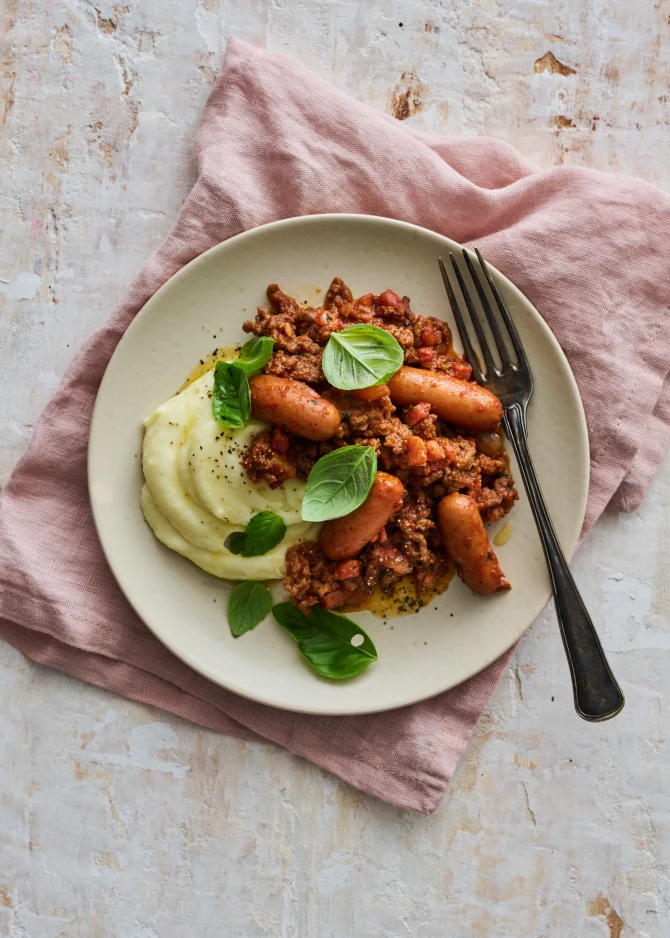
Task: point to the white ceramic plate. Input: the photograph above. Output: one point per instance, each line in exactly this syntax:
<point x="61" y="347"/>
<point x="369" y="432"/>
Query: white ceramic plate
<point x="419" y="655"/>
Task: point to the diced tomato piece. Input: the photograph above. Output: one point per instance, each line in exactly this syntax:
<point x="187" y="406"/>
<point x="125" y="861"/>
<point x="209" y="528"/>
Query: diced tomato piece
<point x="416" y="451"/>
<point x="449" y="450"/>
<point x="389" y="298"/>
<point x="417" y="413"/>
<point x="461" y="370"/>
<point x="347" y="569"/>
<point x="430" y="336"/>
<point x="279" y="441"/>
<point x="434" y="451"/>
<point x="334" y="600"/>
<point x="366" y="300"/>
<point x="425" y="356"/>
<point x="356" y="597"/>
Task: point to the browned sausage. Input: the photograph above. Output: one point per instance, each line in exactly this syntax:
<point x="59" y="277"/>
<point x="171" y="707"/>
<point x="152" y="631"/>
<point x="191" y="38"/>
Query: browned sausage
<point x="467" y="544"/>
<point x="461" y="402"/>
<point x="344" y="537"/>
<point x="293" y="406"/>
<point x="374" y="393"/>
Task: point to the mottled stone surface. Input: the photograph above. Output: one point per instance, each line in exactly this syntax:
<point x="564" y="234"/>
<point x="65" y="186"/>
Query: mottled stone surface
<point x="118" y="820"/>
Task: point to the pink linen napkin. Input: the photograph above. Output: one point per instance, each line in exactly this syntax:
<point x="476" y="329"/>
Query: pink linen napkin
<point x="588" y="249"/>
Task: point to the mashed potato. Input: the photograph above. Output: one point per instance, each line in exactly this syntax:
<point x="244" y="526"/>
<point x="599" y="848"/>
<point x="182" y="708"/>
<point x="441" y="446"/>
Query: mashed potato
<point x="197" y="494"/>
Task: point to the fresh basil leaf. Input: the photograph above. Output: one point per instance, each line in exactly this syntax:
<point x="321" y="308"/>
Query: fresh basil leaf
<point x="264" y="531"/>
<point x="339" y="482"/>
<point x="249" y="603"/>
<point x="236" y="541"/>
<point x="231" y="399"/>
<point x="361" y="356"/>
<point x="255" y="354"/>
<point x="324" y="638"/>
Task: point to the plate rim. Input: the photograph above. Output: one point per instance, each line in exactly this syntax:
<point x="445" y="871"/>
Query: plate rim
<point x="96" y="428"/>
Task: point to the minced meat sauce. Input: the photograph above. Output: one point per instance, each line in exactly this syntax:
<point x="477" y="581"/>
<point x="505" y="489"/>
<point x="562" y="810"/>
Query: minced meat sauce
<point x="430" y="457"/>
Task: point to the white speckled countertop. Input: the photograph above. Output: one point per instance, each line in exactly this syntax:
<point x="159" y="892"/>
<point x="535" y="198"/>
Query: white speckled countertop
<point x="119" y="820"/>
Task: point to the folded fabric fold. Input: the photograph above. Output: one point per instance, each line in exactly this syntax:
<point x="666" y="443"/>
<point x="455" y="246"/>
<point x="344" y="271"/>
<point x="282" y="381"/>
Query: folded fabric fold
<point x="275" y="141"/>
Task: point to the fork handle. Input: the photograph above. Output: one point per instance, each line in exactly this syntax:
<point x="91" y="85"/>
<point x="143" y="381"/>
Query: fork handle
<point x="596" y="692"/>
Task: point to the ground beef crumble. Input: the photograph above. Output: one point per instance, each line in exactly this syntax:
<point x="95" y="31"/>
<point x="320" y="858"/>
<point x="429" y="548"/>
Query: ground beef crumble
<point x="430" y="457"/>
<point x="408" y="544"/>
<point x="301" y="331"/>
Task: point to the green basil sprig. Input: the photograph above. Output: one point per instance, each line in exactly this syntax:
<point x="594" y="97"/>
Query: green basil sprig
<point x="236" y="542"/>
<point x="254" y="355"/>
<point x="339" y="482"/>
<point x="361" y="356"/>
<point x="231" y="400"/>
<point x="249" y="602"/>
<point x="264" y="531"/>
<point x="324" y="639"/>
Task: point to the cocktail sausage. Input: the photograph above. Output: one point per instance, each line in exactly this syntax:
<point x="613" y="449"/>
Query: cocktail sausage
<point x="293" y="406"/>
<point x="345" y="537"/>
<point x="461" y="402"/>
<point x="467" y="544"/>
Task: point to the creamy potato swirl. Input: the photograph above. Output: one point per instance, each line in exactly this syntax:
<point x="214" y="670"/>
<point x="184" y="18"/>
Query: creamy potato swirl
<point x="196" y="493"/>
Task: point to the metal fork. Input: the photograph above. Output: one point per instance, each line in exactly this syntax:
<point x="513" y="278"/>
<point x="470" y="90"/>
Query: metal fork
<point x="596" y="692"/>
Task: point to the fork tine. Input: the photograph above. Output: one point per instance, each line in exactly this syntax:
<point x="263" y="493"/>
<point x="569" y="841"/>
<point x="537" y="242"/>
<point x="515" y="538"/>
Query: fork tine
<point x="474" y="318"/>
<point x="460" y="323"/>
<point x="507" y="319"/>
<point x="488" y="312"/>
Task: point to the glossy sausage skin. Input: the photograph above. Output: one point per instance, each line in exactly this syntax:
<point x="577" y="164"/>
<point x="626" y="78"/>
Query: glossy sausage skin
<point x="467" y="544"/>
<point x="345" y="537"/>
<point x="461" y="402"/>
<point x="293" y="406"/>
<point x="374" y="393"/>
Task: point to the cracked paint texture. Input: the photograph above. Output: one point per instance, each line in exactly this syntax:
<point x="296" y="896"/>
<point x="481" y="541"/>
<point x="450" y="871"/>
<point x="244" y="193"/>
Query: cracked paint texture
<point x="119" y="820"/>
